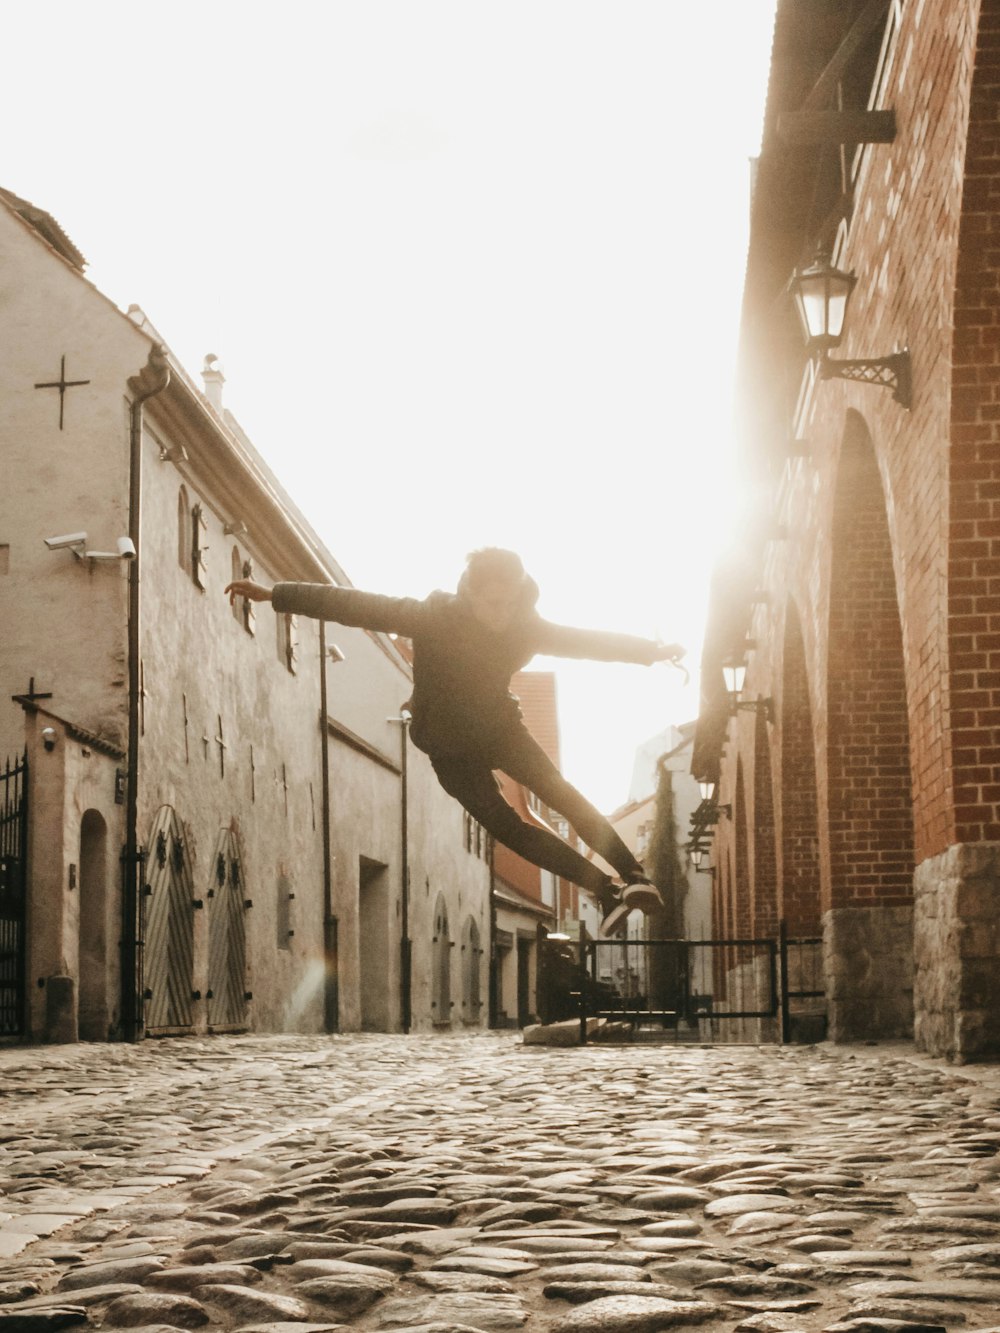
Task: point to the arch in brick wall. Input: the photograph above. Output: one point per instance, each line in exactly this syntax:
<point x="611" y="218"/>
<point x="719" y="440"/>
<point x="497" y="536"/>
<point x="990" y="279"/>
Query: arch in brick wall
<point x="799" y="898"/>
<point x="764" y="922"/>
<point x="870" y="805"/>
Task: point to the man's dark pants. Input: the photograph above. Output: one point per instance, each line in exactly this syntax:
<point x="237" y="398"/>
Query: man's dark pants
<point x="470" y="778"/>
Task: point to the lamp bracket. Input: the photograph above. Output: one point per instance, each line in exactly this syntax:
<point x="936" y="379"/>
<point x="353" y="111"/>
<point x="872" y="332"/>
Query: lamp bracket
<point x="888" y="372"/>
<point x="764" y="706"/>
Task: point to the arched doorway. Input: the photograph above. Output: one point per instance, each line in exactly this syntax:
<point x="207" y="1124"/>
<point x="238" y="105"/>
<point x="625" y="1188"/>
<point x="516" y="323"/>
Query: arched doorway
<point x="441" y="965"/>
<point x="868" y="884"/>
<point x="764" y="922"/>
<point x="471" y="971"/>
<point x="93" y="1013"/>
<point x="168" y="908"/>
<point x="227" y="992"/>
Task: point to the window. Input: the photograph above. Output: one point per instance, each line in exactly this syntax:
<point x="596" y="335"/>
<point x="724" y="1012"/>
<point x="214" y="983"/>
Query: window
<point x="199" y="568"/>
<point x="183" y="531"/>
<point x="242" y="607"/>
<point x="288" y="641"/>
<point x="283" y="915"/>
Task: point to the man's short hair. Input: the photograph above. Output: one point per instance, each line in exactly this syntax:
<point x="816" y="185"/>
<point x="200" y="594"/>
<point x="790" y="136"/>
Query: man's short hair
<point x="494" y="564"/>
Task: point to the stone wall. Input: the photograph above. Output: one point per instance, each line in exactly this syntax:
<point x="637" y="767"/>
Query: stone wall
<point x="868" y="972"/>
<point x="957" y="953"/>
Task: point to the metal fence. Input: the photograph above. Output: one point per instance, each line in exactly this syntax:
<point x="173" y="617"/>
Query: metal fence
<point x="701" y="991"/>
<point x="13" y="894"/>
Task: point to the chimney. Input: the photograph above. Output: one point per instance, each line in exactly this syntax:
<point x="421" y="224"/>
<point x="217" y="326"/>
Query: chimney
<point x="213" y="379"/>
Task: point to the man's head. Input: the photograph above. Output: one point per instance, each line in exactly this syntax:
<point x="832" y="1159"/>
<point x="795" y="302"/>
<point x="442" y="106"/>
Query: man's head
<point x="496" y="587"/>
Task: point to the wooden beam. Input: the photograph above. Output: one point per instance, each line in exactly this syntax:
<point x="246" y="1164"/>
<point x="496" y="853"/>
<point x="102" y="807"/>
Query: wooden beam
<point x="836" y="127"/>
<point x="858" y="33"/>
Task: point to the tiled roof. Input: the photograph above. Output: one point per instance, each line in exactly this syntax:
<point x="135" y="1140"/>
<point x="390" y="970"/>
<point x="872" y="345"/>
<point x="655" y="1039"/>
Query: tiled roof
<point x="46" y="226"/>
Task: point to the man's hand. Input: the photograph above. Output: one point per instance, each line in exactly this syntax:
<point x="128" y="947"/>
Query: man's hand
<point x="254" y="592"/>
<point x="669" y="652"/>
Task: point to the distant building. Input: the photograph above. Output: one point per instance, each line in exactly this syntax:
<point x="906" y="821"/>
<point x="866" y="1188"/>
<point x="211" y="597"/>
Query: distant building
<point x="211" y="836"/>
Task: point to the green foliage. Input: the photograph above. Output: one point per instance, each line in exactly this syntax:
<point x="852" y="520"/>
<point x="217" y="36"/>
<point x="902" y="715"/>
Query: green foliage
<point x="663" y="864"/>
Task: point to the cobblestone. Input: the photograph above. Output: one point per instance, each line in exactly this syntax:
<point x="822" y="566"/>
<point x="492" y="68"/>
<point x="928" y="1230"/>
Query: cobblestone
<point x="465" y="1182"/>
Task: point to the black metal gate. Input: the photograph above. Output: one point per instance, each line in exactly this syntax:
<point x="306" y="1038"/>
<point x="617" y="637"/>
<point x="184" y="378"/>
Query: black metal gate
<point x="13" y="894"/>
<point x="717" y="991"/>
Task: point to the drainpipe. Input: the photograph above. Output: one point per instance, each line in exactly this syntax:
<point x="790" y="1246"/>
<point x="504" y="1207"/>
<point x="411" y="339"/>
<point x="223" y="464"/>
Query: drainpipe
<point x="331" y="964"/>
<point x="405" y="952"/>
<point x="494" y="980"/>
<point x="151" y="380"/>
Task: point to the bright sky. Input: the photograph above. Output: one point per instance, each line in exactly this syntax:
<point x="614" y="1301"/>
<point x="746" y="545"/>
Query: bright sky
<point x="472" y="268"/>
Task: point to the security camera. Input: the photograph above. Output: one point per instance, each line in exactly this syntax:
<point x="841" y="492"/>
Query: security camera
<point x="49" y="737"/>
<point x="126" y="548"/>
<point x="69" y="540"/>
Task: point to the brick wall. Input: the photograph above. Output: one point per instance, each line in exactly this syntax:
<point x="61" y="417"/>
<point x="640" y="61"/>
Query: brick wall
<point x="799" y="840"/>
<point x="868" y="753"/>
<point x="765" y="895"/>
<point x="974" y="501"/>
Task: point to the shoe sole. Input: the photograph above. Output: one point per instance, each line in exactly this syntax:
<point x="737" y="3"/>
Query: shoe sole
<point x="639" y="898"/>
<point x="614" y="921"/>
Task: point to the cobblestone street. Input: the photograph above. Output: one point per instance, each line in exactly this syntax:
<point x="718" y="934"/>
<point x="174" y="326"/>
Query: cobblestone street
<point x="384" y="1182"/>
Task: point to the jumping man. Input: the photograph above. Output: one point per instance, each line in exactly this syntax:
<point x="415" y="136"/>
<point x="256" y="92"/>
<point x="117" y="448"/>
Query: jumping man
<point x="466" y="647"/>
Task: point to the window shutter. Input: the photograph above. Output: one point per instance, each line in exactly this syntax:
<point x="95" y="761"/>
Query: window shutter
<point x="293" y="645"/>
<point x="199" y="568"/>
<point x="249" y="613"/>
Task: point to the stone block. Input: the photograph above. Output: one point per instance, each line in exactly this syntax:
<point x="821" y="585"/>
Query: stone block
<point x="60" y="1010"/>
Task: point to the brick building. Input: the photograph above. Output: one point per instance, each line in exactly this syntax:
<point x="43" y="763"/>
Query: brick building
<point x="863" y="595"/>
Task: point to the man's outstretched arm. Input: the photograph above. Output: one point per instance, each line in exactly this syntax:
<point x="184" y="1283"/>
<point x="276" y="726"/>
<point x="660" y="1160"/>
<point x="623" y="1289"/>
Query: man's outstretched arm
<point x="603" y="645"/>
<point x="345" y="606"/>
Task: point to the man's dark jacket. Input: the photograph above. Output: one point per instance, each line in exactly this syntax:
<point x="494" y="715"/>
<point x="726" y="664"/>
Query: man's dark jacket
<point x="461" y="668"/>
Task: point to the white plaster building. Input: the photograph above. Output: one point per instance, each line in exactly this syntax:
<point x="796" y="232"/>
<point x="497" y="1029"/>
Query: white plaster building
<point x="226" y="826"/>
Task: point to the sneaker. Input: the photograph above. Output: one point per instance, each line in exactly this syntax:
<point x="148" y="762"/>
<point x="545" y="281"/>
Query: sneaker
<point x="615" y="911"/>
<point x="642" y="895"/>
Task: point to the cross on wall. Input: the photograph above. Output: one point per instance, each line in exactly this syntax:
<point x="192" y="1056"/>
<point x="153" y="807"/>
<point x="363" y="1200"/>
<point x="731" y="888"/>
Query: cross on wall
<point x="62" y="384"/>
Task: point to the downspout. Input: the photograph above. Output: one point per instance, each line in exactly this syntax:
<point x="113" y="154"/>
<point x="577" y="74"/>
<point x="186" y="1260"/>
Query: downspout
<point x="494" y="978"/>
<point x="151" y="380"/>
<point x="331" y="964"/>
<point x="405" y="951"/>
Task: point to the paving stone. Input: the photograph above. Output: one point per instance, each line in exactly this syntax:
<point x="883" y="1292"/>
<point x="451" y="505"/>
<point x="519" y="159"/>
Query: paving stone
<point x="251" y="1305"/>
<point x="471" y="1310"/>
<point x="633" y="1314"/>
<point x="347" y="1293"/>
<point x="671" y="1199"/>
<point x="491" y="1265"/>
<point x="188" y="1276"/>
<point x="596" y="1273"/>
<point x="941" y="1290"/>
<point x="42" y="1321"/>
<point x="579" y="1292"/>
<point x="435" y="1280"/>
<point x="283" y="1326"/>
<point x="150" y="1307"/>
<point x="122" y="1270"/>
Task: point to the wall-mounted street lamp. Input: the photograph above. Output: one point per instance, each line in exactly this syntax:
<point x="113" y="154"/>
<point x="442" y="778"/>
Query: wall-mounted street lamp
<point x="821" y="294"/>
<point x="709" y="806"/>
<point x="734" y="673"/>
<point x="697" y="854"/>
